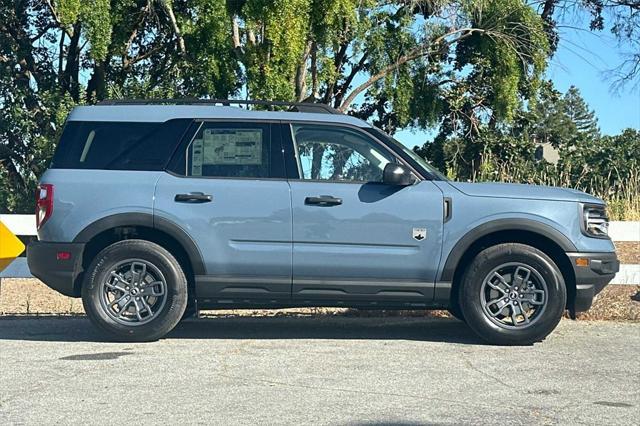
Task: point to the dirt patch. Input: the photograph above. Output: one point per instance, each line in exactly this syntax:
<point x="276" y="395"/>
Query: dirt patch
<point x="628" y="252"/>
<point x="616" y="302"/>
<point x="30" y="296"/>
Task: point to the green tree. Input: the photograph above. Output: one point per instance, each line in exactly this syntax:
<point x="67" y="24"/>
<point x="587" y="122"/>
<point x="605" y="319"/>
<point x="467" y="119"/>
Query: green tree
<point x="398" y="63"/>
<point x="33" y="103"/>
<point x="548" y="116"/>
<point x="578" y="112"/>
<point x="544" y="121"/>
<point x="56" y="54"/>
<point x="452" y="64"/>
<point x="557" y="119"/>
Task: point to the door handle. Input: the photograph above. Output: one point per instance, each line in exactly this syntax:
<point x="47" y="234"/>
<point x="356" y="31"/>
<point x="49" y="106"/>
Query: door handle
<point x="323" y="201"/>
<point x="193" y="197"/>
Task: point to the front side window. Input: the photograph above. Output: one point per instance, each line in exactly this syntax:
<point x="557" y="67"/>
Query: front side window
<point x="338" y="154"/>
<point x="420" y="162"/>
<point x="229" y="150"/>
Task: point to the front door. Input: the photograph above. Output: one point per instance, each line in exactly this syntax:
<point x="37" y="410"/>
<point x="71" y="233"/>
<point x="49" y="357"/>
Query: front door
<point x="228" y="191"/>
<point x="354" y="237"/>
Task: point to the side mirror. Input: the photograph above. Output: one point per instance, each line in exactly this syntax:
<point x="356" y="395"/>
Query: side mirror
<point x="397" y="174"/>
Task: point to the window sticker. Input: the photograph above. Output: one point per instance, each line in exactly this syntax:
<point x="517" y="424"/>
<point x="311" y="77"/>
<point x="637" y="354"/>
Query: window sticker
<point x="196" y="158"/>
<point x="231" y="147"/>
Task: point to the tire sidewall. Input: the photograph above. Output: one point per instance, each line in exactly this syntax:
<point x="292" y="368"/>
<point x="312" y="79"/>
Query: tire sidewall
<point x="493" y="257"/>
<point x="176" y="287"/>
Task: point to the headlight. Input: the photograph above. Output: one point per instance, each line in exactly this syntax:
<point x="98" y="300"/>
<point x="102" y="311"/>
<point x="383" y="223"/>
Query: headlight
<point x="595" y="222"/>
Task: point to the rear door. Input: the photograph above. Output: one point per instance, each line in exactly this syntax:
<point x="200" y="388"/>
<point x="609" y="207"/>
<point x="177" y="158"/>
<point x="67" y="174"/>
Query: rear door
<point x="227" y="189"/>
<point x="354" y="237"/>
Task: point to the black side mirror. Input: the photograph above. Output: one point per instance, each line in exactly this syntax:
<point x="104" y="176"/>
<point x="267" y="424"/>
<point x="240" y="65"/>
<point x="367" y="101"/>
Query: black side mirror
<point x="397" y="174"/>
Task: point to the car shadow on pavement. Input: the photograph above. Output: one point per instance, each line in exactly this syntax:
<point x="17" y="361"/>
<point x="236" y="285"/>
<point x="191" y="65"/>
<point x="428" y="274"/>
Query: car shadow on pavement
<point x="79" y="329"/>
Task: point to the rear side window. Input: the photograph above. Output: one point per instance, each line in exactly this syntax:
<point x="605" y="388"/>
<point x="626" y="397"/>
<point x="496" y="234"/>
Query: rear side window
<point x="118" y="145"/>
<point x="231" y="150"/>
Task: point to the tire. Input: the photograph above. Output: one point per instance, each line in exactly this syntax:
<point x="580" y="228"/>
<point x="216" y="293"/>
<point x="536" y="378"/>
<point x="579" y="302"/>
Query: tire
<point x="456" y="312"/>
<point x="191" y="311"/>
<point x="148" y="310"/>
<point x="499" y="313"/>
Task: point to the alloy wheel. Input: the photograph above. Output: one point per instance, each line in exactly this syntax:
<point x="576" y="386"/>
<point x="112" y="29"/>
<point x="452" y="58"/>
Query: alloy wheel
<point x="514" y="295"/>
<point x="134" y="292"/>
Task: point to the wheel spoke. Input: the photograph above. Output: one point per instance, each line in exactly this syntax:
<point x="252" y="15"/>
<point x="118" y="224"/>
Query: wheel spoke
<point x="520" y="277"/>
<point x="122" y="299"/>
<point x="139" y="308"/>
<point x="146" y="306"/>
<point x="501" y="280"/>
<point x="137" y="276"/>
<point x="118" y="283"/>
<point x="500" y="303"/>
<point x="123" y="307"/>
<point x="520" y="311"/>
<point x="533" y="297"/>
<point x="514" y="317"/>
<point x="155" y="289"/>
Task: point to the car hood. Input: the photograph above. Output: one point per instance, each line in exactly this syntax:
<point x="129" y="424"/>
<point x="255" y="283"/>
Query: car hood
<point x="516" y="190"/>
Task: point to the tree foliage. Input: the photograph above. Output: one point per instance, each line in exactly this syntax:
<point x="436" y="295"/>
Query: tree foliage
<point x="608" y="166"/>
<point x="463" y="67"/>
<point x="621" y="18"/>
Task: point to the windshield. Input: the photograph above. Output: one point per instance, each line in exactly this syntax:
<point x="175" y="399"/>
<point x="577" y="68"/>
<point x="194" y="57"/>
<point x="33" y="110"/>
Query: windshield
<point x="420" y="162"/>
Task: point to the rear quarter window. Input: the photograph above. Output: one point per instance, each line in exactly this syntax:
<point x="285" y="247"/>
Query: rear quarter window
<point x="118" y="145"/>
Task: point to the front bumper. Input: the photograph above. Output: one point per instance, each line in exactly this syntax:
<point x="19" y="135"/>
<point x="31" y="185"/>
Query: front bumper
<point x="599" y="270"/>
<point x="60" y="274"/>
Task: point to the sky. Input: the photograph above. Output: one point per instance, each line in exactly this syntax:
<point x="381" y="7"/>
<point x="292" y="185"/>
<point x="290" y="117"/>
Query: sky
<point x="582" y="59"/>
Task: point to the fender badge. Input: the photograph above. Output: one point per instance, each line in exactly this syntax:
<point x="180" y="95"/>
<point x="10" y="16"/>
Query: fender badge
<point x="419" y="234"/>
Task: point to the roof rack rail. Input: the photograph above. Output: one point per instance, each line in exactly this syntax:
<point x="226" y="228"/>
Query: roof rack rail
<point x="293" y="106"/>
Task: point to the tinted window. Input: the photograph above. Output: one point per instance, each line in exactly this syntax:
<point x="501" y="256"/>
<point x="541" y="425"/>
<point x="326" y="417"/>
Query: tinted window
<point x="118" y="145"/>
<point x="338" y="154"/>
<point x="228" y="150"/>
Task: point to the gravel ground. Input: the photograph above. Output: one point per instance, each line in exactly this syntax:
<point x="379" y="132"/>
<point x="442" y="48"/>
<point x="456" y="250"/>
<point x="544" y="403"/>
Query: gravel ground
<point x="30" y="296"/>
<point x="316" y="370"/>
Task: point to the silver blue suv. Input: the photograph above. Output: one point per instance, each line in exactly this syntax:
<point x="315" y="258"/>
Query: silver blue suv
<point x="151" y="211"/>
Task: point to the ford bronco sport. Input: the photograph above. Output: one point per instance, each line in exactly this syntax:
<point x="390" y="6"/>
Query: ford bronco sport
<point x="152" y="210"/>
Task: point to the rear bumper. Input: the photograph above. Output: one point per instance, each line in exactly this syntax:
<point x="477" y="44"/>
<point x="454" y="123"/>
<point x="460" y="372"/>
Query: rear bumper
<point x="60" y="275"/>
<point x="592" y="278"/>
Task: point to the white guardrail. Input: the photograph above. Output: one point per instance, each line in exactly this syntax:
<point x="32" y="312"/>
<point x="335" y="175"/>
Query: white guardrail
<point x="24" y="225"/>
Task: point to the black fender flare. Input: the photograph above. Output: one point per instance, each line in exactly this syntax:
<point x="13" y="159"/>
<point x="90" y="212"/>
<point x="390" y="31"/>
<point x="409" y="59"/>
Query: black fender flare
<point x="149" y="221"/>
<point x="516" y="224"/>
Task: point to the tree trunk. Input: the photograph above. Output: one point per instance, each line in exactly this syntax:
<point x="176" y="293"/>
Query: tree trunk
<point x="314" y="71"/>
<point x="316" y="160"/>
<point x="301" y="74"/>
<point x="97" y="87"/>
<point x="174" y="24"/>
<point x="70" y="76"/>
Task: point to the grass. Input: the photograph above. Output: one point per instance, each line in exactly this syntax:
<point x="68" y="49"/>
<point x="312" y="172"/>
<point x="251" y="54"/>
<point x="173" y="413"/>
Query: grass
<point x="620" y="191"/>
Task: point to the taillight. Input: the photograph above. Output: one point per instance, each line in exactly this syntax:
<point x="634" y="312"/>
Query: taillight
<point x="44" y="203"/>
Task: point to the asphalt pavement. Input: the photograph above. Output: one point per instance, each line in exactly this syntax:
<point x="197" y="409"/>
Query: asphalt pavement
<point x="317" y="370"/>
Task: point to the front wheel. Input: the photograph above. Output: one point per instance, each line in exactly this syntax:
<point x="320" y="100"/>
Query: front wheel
<point x="135" y="290"/>
<point x="513" y="294"/>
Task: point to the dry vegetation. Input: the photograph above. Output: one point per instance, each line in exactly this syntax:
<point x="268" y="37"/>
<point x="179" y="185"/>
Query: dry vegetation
<point x="621" y="193"/>
<point x="31" y="297"/>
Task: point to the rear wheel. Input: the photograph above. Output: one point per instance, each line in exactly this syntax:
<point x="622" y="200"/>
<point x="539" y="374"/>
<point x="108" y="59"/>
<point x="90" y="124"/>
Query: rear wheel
<point x="135" y="290"/>
<point x="513" y="294"/>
